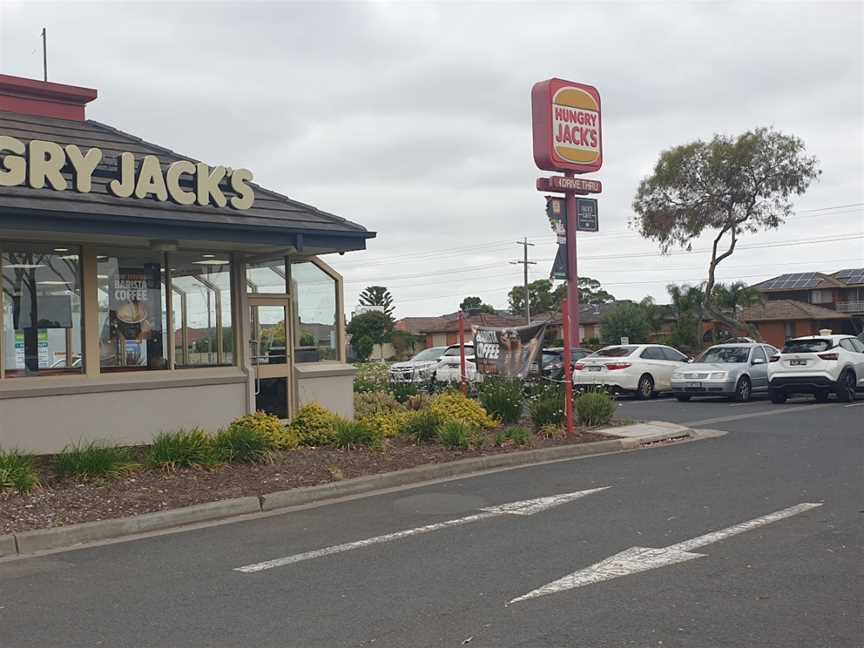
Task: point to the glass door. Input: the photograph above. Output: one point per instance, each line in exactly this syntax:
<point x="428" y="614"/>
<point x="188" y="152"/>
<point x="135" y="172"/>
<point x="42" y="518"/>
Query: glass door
<point x="270" y="353"/>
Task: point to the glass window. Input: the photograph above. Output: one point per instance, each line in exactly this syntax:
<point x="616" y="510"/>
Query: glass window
<point x="315" y="316"/>
<point x="201" y="305"/>
<point x="652" y="353"/>
<point x="41" y="318"/>
<point x="267" y="278"/>
<point x="759" y="353"/>
<point x="673" y="355"/>
<point x="132" y="311"/>
<point x="614" y="352"/>
<point x="847" y="344"/>
<point x="725" y="355"/>
<point x="812" y="345"/>
<point x="858" y="345"/>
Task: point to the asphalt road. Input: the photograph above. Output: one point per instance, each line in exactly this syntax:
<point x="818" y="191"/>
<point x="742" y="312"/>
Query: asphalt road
<point x="795" y="581"/>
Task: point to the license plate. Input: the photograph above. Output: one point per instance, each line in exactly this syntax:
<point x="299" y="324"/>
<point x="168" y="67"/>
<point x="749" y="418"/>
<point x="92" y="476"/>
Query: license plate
<point x="594" y="368"/>
<point x="693" y="385"/>
<point x="797" y="363"/>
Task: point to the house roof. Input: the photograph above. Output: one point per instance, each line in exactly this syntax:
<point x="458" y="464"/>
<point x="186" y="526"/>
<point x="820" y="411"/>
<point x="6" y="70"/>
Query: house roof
<point x="273" y="218"/>
<point x="415" y="325"/>
<point x="442" y="325"/>
<point x="799" y="281"/>
<point x="850" y="276"/>
<point x="787" y="309"/>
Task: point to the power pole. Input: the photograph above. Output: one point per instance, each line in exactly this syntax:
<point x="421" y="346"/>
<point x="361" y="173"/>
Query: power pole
<point x="525" y="262"/>
<point x="44" y="54"/>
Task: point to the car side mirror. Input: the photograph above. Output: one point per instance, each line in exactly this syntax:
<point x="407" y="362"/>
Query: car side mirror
<point x="758" y="361"/>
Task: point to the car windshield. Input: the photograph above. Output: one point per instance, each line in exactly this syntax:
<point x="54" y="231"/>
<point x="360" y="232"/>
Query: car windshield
<point x="428" y="354"/>
<point x="725" y="355"/>
<point x="807" y="346"/>
<point x="454" y="351"/>
<point x="614" y="352"/>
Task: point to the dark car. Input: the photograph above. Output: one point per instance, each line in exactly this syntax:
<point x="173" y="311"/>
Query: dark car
<point x="553" y="361"/>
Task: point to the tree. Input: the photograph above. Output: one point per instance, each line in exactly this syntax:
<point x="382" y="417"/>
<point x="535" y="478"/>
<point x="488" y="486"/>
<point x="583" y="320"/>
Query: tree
<point x="653" y="314"/>
<point x="591" y="292"/>
<point x="541" y="298"/>
<point x="373" y="326"/>
<point x="687" y="307"/>
<point x="625" y="319"/>
<point x="377" y="296"/>
<point x="728" y="186"/>
<point x="731" y="298"/>
<point x="476" y="304"/>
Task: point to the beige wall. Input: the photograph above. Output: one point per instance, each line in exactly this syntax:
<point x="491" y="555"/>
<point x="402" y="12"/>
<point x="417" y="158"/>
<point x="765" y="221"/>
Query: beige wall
<point x="329" y="384"/>
<point x="44" y="424"/>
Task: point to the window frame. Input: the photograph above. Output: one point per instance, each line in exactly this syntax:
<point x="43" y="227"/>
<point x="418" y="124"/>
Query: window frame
<point x="341" y="347"/>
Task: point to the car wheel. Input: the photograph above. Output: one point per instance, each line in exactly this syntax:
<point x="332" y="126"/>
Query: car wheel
<point x="743" y="390"/>
<point x="646" y="387"/>
<point x="683" y="397"/>
<point x="846" y="387"/>
<point x="822" y="396"/>
<point x="778" y="397"/>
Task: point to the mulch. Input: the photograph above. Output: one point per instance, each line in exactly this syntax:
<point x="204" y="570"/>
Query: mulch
<point x="61" y="503"/>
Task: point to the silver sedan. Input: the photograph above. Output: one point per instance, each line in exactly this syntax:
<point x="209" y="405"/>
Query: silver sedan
<point x="735" y="371"/>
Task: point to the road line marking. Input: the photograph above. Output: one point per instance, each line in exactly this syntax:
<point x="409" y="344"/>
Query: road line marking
<point x="640" y="559"/>
<point x="789" y="409"/>
<point x="854" y="405"/>
<point x="525" y="507"/>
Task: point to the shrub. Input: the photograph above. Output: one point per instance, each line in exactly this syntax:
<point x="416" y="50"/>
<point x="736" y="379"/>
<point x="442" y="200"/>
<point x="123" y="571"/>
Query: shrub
<point x="455" y="435"/>
<point x="547" y="407"/>
<point x="243" y="444"/>
<point x="552" y="431"/>
<point x="94" y="460"/>
<point x="500" y="439"/>
<point x="16" y="471"/>
<point x="373" y="403"/>
<point x="281" y="437"/>
<point x="403" y="391"/>
<point x="453" y="406"/>
<point x="595" y="408"/>
<point x="520" y="436"/>
<point x="350" y="434"/>
<point x="422" y="426"/>
<point x="387" y="425"/>
<point x="182" y="449"/>
<point x="502" y="398"/>
<point x="418" y="401"/>
<point x="371" y="376"/>
<point x="314" y="425"/>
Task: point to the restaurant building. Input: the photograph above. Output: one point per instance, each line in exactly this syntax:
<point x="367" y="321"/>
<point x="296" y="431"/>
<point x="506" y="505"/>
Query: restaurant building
<point x="145" y="291"/>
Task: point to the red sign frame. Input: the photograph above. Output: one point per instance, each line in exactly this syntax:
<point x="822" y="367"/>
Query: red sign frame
<point x="577" y="102"/>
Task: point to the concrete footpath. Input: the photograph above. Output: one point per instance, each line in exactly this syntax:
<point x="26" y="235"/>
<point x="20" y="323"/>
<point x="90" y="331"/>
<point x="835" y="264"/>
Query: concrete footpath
<point x="624" y="438"/>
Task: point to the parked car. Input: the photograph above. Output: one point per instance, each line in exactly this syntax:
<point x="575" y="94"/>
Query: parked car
<point x="418" y="369"/>
<point x="640" y="369"/>
<point x="553" y="361"/>
<point x="734" y="370"/>
<point x="818" y="365"/>
<point x="448" y="368"/>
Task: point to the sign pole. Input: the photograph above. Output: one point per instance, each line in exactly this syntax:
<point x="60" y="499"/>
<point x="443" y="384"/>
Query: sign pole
<point x="572" y="270"/>
<point x="568" y="367"/>
<point x="462" y="353"/>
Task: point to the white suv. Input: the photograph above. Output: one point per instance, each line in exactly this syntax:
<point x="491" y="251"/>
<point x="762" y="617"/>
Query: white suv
<point x="449" y="369"/>
<point x="818" y="365"/>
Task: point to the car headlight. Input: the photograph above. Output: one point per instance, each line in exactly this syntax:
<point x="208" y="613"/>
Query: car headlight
<point x="718" y="375"/>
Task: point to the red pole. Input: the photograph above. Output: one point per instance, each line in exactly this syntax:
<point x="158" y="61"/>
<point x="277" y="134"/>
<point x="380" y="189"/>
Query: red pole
<point x="568" y="367"/>
<point x="572" y="271"/>
<point x="462" y="353"/>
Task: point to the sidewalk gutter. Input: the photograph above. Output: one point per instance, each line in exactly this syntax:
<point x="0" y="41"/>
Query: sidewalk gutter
<point x="629" y="437"/>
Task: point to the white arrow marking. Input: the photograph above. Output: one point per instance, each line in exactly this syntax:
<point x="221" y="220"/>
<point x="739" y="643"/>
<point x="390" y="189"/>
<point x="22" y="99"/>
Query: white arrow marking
<point x="639" y="559"/>
<point x="526" y="507"/>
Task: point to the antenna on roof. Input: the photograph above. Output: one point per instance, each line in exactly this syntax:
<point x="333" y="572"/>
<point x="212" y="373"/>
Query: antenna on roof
<point x="44" y="55"/>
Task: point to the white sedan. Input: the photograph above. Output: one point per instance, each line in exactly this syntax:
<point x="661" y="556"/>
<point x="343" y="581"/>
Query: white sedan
<point x="640" y="369"/>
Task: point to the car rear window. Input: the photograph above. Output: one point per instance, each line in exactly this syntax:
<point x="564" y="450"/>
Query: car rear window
<point x="816" y="345"/>
<point x="615" y="352"/>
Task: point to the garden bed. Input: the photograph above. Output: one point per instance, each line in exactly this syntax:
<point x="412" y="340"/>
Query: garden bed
<point x="61" y="502"/>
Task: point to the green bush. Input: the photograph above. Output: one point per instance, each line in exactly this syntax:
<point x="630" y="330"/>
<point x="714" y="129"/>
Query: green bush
<point x="271" y="427"/>
<point x="502" y="397"/>
<point x="94" y="460"/>
<point x="17" y="471"/>
<point x="455" y="435"/>
<point x="403" y="391"/>
<point x="314" y="425"/>
<point x="371" y="376"/>
<point x="243" y="444"/>
<point x="547" y="407"/>
<point x="422" y="426"/>
<point x="373" y="403"/>
<point x="500" y="439"/>
<point x="594" y="408"/>
<point x="182" y="449"/>
<point x="350" y="434"/>
<point x="520" y="436"/>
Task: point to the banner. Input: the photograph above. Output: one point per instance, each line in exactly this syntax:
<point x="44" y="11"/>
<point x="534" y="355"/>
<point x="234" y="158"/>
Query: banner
<point x="507" y="351"/>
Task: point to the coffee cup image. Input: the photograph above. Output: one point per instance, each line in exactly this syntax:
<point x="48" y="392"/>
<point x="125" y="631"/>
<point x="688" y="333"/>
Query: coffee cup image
<point x="132" y="313"/>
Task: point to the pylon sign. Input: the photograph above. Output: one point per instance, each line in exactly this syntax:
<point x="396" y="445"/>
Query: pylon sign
<point x="567" y="126"/>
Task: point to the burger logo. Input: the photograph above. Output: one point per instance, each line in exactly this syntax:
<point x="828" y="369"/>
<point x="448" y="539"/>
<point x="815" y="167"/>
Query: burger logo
<point x="576" y="126"/>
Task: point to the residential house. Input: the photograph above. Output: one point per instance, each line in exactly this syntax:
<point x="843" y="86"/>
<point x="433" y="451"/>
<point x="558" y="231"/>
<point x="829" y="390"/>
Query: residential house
<point x="777" y="320"/>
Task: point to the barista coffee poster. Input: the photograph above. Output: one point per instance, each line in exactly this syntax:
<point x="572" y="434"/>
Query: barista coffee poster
<point x="507" y="352"/>
<point x="135" y="301"/>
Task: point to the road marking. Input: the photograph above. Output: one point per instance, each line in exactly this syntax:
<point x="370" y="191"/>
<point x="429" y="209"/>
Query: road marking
<point x="747" y="403"/>
<point x="640" y="559"/>
<point x="525" y="507"/>
<point x="854" y="405"/>
<point x="789" y="409"/>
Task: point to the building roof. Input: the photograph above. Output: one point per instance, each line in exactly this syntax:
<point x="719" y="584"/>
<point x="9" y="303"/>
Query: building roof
<point x="415" y="325"/>
<point x="442" y="325"/>
<point x="787" y="309"/>
<point x="273" y="218"/>
<point x="850" y="276"/>
<point x="799" y="281"/>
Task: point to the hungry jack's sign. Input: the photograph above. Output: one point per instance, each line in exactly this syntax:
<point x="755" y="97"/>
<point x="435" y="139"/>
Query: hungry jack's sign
<point x="39" y="164"/>
<point x="567" y="126"/>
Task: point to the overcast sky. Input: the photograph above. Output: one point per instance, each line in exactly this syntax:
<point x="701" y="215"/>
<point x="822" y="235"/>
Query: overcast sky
<point x="413" y="119"/>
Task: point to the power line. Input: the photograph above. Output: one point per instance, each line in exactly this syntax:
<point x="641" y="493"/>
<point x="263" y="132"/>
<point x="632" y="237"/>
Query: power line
<point x="525" y="263"/>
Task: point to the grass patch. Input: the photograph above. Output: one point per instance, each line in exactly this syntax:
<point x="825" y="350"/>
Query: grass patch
<point x="16" y="471"/>
<point x="459" y="436"/>
<point x="243" y="444"/>
<point x="422" y="426"/>
<point x="182" y="449"/>
<point x="94" y="460"/>
<point x="350" y="434"/>
<point x="520" y="436"/>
